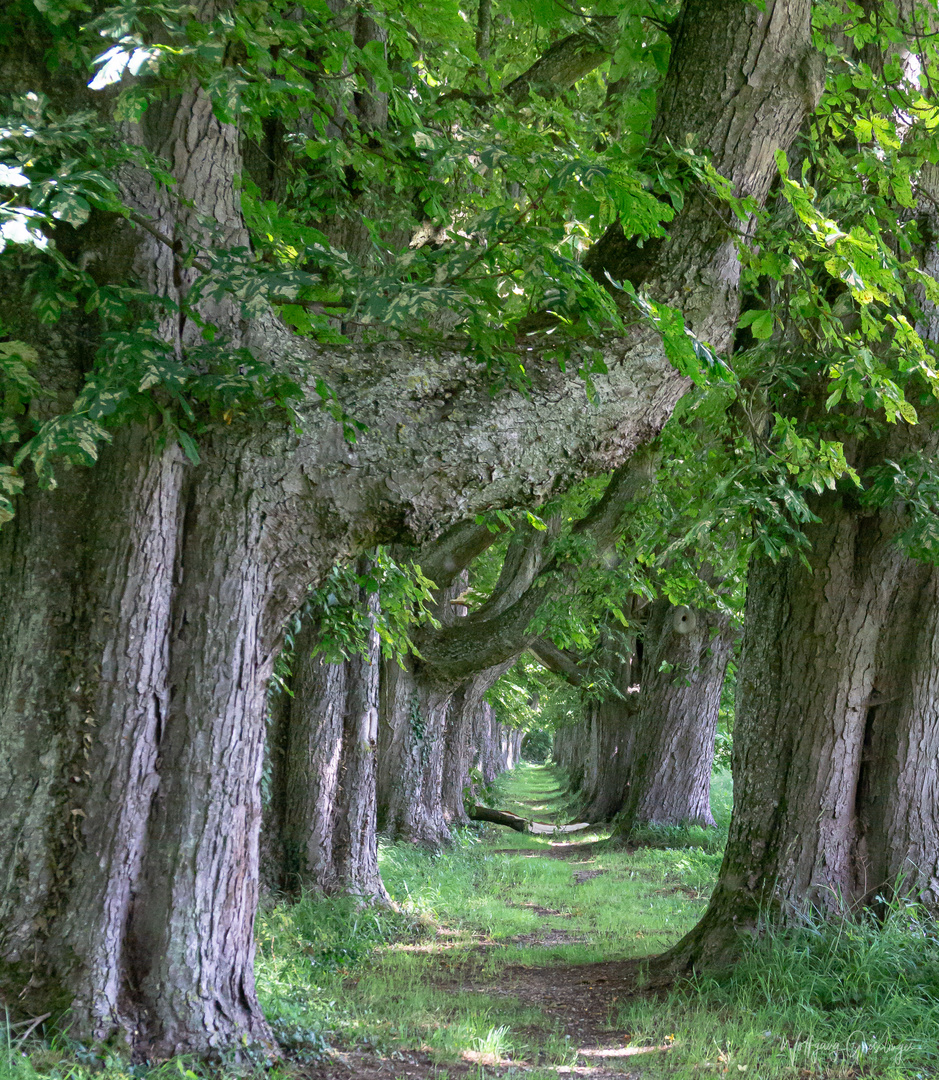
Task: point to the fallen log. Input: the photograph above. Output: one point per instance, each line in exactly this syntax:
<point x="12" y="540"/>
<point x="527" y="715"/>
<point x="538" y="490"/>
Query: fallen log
<point x="499" y="817"/>
<point x="542" y="828"/>
<point x="520" y="824"/>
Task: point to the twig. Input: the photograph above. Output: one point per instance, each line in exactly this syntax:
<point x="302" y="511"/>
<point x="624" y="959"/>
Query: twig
<point x="33" y="1024"/>
<point x="174" y="245"/>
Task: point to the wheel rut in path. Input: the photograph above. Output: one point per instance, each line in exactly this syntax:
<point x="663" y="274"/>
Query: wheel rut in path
<point x="579" y="1002"/>
<point x="577" y="998"/>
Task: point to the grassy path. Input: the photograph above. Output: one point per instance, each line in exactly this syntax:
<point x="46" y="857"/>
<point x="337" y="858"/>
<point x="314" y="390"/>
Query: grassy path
<point x="520" y="958"/>
<point x="517" y="957"/>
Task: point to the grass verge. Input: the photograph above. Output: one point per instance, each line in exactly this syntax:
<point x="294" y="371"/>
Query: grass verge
<point x="515" y="956"/>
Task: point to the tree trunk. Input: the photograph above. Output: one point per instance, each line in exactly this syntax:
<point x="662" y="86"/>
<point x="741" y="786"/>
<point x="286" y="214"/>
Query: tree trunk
<point x="151" y="755"/>
<point x="668" y="761"/>
<point x="414" y="704"/>
<point x="458" y="753"/>
<point x="499" y="817"/>
<point x="518" y="737"/>
<point x="412" y="735"/>
<point x="190" y="939"/>
<point x="511" y="740"/>
<point x="306" y="745"/>
<point x="322" y="835"/>
<point x="750" y="102"/>
<point x="570" y="752"/>
<point x="898" y="788"/>
<point x="610" y="731"/>
<point x="836" y="733"/>
<point x="488" y="747"/>
<point x="84" y="628"/>
<point x="427" y="717"/>
<point x="810" y="751"/>
<point x="612" y="726"/>
<point x="355" y="841"/>
<point x="457" y="756"/>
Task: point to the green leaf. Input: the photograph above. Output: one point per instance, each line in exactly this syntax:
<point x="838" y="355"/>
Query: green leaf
<point x="70" y="208"/>
<point x="762" y="326"/>
<point x="189" y="446"/>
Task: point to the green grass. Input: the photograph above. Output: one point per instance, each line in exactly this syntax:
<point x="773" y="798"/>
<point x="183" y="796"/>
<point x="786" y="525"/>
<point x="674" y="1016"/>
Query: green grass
<point x="840" y="1001"/>
<point x="846" y="1000"/>
<point x="465" y="914"/>
<point x="830" y="1001"/>
<point x="531" y="791"/>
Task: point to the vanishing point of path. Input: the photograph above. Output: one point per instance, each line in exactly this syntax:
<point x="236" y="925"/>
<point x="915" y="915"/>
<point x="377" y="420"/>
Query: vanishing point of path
<point x="550" y="955"/>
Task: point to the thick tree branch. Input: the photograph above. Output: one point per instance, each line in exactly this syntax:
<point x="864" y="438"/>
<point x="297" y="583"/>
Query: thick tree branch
<point x="524" y="561"/>
<point x="499" y="631"/>
<point x="483" y="29"/>
<point x="757" y="48"/>
<point x="566" y="62"/>
<point x="604" y="521"/>
<point x="443" y="559"/>
<point x="439" y="447"/>
<point x="498" y="817"/>
<point x="560" y="661"/>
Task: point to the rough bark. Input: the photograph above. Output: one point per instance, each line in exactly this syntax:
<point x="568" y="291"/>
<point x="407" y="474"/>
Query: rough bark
<point x="499" y="817"/>
<point x="667" y="775"/>
<point x="84" y="622"/>
<point x="570" y="752"/>
<point x="897" y="847"/>
<point x="770" y="76"/>
<point x="412" y="731"/>
<point x="835" y="729"/>
<point x="566" y="61"/>
<point x="457" y="756"/>
<point x="306" y="744"/>
<point x="146" y="925"/>
<point x="413" y="710"/>
<point x="832" y="787"/>
<point x="487" y="743"/>
<point x="321" y="825"/>
<point x="355" y="847"/>
<point x="644" y="754"/>
<point x="609" y="735"/>
<point x="609" y="732"/>
<point x="190" y="935"/>
<point x="458" y="752"/>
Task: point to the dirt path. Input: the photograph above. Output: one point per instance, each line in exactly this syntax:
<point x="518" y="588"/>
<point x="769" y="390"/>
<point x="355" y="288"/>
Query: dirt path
<point x="579" y="1002"/>
<point x="578" y="998"/>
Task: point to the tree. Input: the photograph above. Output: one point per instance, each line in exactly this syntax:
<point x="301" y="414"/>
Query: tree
<point x="644" y="751"/>
<point x="606" y="732"/>
<point x="144" y="598"/>
<point x="323" y="741"/>
<point x="834" y="751"/>
<point x="414" y="715"/>
<point x="668" y="768"/>
<point x="831" y="728"/>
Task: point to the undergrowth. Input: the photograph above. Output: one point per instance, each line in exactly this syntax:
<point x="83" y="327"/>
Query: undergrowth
<point x="851" y="998"/>
<point x="832" y="1000"/>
